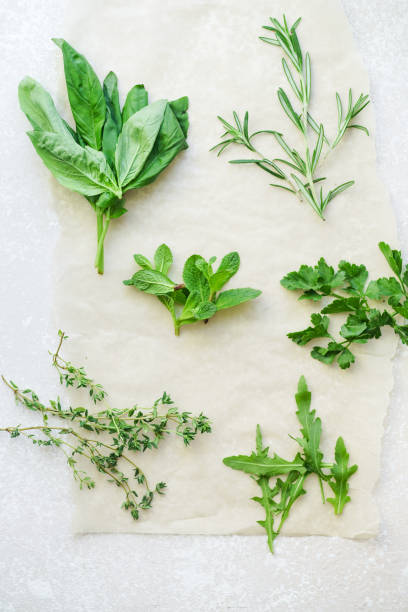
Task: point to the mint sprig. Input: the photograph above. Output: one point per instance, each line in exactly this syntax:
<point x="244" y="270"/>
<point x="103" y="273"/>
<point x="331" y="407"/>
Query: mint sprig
<point x="199" y="296"/>
<point x="347" y="290"/>
<point x="278" y="498"/>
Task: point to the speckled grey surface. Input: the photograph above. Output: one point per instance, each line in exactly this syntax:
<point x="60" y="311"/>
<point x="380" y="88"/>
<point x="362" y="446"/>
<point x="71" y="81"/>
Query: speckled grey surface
<point x="43" y="567"/>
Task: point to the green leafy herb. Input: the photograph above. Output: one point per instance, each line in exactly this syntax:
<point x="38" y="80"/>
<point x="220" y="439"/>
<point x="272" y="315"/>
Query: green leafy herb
<point x="198" y="298"/>
<point x="351" y="293"/>
<point x="107" y="439"/>
<point x="277" y="499"/>
<point x="110" y="151"/>
<point x="296" y="172"/>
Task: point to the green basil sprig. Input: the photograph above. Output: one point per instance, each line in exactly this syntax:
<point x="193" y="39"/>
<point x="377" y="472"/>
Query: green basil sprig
<point x="199" y="297"/>
<point x="111" y="150"/>
<point x="278" y="499"/>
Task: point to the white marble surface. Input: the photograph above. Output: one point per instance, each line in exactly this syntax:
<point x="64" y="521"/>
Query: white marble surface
<point x="42" y="566"/>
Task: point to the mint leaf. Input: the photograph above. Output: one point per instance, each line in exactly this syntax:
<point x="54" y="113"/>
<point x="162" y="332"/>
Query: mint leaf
<point x="163" y="259"/>
<point x="226" y="270"/>
<point x="194" y="279"/>
<point x="151" y="281"/>
<point x="234" y="297"/>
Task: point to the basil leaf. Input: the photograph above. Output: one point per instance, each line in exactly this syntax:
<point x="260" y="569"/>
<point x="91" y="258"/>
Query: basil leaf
<point x="136" y="141"/>
<point x="233" y="297"/>
<point x="180" y="108"/>
<point x="38" y="106"/>
<point x="113" y="120"/>
<point x="81" y="169"/>
<point x="169" y="142"/>
<point x="85" y="95"/>
<point x="135" y="100"/>
<point x="163" y="259"/>
<point x="151" y="281"/>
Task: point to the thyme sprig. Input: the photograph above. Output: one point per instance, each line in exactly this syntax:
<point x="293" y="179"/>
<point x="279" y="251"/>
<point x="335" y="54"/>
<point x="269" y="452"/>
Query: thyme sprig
<point x="297" y="172"/>
<point x="106" y="439"/>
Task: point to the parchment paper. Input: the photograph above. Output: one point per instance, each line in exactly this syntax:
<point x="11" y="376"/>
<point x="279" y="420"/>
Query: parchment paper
<point x="240" y="369"/>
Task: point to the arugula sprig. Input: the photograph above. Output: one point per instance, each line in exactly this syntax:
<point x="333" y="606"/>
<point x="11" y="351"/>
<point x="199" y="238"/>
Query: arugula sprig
<point x="111" y="150"/>
<point x="199" y="296"/>
<point x="297" y="171"/>
<point x="277" y="499"/>
<point x="106" y="439"/>
<point x="350" y="293"/>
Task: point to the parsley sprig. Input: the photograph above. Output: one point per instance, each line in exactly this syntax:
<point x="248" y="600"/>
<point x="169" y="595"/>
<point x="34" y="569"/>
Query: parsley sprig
<point x="106" y="439"/>
<point x="297" y="172"/>
<point x="278" y="499"/>
<point x="199" y="297"/>
<point x="350" y="293"/>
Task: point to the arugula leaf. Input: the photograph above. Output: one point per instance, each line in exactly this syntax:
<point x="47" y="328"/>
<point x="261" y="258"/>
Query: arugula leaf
<point x="85" y="95"/>
<point x="341" y="474"/>
<point x="278" y="499"/>
<point x="349" y="293"/>
<point x="311" y="428"/>
<point x="135" y="100"/>
<point x="195" y="299"/>
<point x="81" y="169"/>
<point x="266" y="466"/>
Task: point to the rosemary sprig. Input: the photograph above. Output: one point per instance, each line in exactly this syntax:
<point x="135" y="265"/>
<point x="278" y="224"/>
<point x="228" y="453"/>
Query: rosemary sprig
<point x="123" y="432"/>
<point x="297" y="171"/>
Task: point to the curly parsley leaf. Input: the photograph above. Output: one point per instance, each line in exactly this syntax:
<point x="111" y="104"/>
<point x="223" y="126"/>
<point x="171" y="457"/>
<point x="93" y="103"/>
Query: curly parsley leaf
<point x="346" y="291"/>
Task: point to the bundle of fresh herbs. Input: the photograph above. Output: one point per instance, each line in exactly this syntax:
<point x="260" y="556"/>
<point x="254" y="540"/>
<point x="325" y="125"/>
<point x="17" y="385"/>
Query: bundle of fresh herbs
<point x="198" y="298"/>
<point x="112" y="150"/>
<point x="278" y="499"/>
<point x="298" y="171"/>
<point x="347" y="286"/>
<point x="108" y="439"/>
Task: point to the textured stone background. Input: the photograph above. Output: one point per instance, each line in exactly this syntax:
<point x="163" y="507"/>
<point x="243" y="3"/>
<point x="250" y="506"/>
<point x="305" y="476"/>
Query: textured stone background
<point x="43" y="567"/>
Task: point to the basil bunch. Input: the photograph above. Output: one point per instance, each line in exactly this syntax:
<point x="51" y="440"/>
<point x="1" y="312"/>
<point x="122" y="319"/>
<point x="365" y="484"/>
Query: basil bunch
<point x="112" y="150"/>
